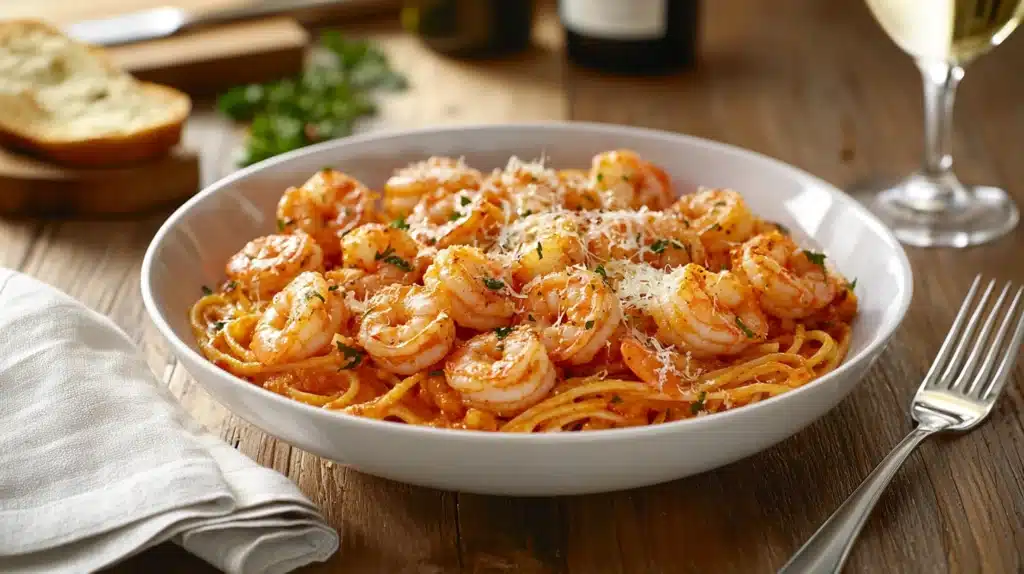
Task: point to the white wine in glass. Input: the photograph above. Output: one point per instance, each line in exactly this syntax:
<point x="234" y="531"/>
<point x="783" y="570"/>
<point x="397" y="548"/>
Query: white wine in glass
<point x="931" y="207"/>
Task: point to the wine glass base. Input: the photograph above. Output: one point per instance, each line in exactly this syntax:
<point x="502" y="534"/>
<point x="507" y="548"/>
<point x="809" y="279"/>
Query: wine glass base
<point x="916" y="215"/>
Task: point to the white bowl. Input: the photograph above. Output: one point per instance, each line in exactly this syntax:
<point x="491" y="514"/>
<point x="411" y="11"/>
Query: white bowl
<point x="192" y="246"/>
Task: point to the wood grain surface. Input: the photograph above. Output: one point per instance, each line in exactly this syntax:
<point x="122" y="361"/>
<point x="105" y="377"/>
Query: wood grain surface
<point x="813" y="83"/>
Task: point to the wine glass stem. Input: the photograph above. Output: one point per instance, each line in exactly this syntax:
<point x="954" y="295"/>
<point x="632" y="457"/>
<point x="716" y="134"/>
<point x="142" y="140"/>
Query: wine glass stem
<point x="940" y="82"/>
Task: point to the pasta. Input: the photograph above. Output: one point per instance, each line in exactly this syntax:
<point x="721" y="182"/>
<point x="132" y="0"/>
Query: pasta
<point x="529" y="299"/>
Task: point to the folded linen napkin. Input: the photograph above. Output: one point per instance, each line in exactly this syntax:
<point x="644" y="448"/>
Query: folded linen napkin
<point x="98" y="461"/>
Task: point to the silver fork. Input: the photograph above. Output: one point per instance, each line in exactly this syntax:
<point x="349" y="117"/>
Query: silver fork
<point x="957" y="394"/>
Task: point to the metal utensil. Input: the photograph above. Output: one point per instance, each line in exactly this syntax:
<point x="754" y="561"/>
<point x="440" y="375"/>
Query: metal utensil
<point x="957" y="394"/>
<point x="167" y="20"/>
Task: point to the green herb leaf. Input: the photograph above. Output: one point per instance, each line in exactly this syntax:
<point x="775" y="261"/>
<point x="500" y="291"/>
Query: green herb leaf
<point x="746" y="330"/>
<point x="699" y="405"/>
<point x="540" y="251"/>
<point x="385" y="254"/>
<point x="493" y="284"/>
<point x="526" y="213"/>
<point x="600" y="177"/>
<point x="400" y="223"/>
<point x="465" y="200"/>
<point x="398" y="262"/>
<point x="231" y="286"/>
<point x="816" y="258"/>
<point x="616" y="399"/>
<point x="659" y="246"/>
<point x="600" y="271"/>
<point x="502" y="332"/>
<point x="589" y="325"/>
<point x="852" y="284"/>
<point x="312" y="294"/>
<point x="530" y="318"/>
<point x="716" y="227"/>
<point x="218" y="325"/>
<point x="206" y="290"/>
<point x="454" y="215"/>
<point x="333" y="288"/>
<point x="625" y="177"/>
<point x="675" y="244"/>
<point x="782" y="229"/>
<point x="352" y="354"/>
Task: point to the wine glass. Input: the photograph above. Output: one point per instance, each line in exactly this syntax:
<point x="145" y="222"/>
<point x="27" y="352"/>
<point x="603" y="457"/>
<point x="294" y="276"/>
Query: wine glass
<point x="931" y="207"/>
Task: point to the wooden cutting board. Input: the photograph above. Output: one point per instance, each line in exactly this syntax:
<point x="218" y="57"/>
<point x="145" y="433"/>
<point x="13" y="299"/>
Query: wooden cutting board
<point x="33" y="188"/>
<point x="204" y="61"/>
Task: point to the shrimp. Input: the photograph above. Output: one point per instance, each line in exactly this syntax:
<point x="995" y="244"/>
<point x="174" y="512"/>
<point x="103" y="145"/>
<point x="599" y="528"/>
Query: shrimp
<point x="389" y="253"/>
<point x="405" y="329"/>
<point x="505" y="373"/>
<point x="708" y="313"/>
<point x="466" y="217"/>
<point x="722" y="219"/>
<point x="653" y="237"/>
<point x="475" y="287"/>
<point x="793" y="282"/>
<point x="300" y="321"/>
<point x="525" y="188"/>
<point x="405" y="188"/>
<point x="327" y="206"/>
<point x="542" y="243"/>
<point x="658" y="365"/>
<point x="625" y="181"/>
<point x="574" y="311"/>
<point x="266" y="264"/>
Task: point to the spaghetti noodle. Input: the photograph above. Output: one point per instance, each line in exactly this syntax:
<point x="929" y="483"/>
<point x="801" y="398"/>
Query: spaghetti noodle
<point x="587" y="304"/>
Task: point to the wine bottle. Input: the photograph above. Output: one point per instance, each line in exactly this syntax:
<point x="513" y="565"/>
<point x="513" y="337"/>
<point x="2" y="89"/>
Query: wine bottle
<point x="470" y="28"/>
<point x="631" y="36"/>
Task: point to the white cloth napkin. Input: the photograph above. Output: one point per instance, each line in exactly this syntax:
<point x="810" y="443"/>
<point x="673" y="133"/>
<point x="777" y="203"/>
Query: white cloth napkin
<point x="98" y="461"/>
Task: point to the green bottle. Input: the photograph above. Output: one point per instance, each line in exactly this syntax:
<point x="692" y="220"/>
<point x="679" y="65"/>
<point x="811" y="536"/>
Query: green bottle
<point x="471" y="28"/>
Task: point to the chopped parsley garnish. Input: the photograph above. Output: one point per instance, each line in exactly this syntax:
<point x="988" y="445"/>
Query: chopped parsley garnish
<point x="625" y="177"/>
<point x="782" y="228"/>
<point x="716" y="227"/>
<point x="530" y="317"/>
<point x="675" y="244"/>
<point x="431" y="241"/>
<point x="281" y="224"/>
<point x="387" y="253"/>
<point x="312" y="294"/>
<point x="600" y="177"/>
<point x="699" y="405"/>
<point x="540" y="251"/>
<point x="616" y="399"/>
<point x="206" y="290"/>
<point x="600" y="271"/>
<point x="218" y="325"/>
<point x="465" y="200"/>
<point x="589" y="325"/>
<point x="354" y="356"/>
<point x="437" y="373"/>
<point x="400" y="223"/>
<point x="493" y="284"/>
<point x="719" y="204"/>
<point x="333" y="288"/>
<point x="526" y="213"/>
<point x="852" y="284"/>
<point x="815" y="258"/>
<point x="659" y="246"/>
<point x="454" y="215"/>
<point x="746" y="330"/>
<point x="231" y="286"/>
<point x="398" y="262"/>
<point x="502" y="332"/>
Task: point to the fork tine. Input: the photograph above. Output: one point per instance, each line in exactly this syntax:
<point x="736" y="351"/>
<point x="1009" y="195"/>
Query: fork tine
<point x="956" y="361"/>
<point x="1010" y="355"/>
<point x="967" y="372"/>
<point x="954" y="332"/>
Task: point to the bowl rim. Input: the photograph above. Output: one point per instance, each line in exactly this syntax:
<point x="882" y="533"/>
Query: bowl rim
<point x="873" y="347"/>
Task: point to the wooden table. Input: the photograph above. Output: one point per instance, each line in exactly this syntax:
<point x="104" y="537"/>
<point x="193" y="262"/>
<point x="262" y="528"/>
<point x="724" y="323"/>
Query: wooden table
<point x="814" y="83"/>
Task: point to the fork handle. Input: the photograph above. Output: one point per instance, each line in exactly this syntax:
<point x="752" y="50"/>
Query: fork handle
<point x="828" y="549"/>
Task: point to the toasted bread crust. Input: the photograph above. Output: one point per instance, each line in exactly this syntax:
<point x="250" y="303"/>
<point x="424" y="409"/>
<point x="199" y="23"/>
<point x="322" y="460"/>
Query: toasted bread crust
<point x="106" y="150"/>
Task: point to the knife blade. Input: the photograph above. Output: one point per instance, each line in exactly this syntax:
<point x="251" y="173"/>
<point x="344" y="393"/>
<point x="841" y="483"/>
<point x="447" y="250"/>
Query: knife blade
<point x="131" y="27"/>
<point x="166" y="21"/>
